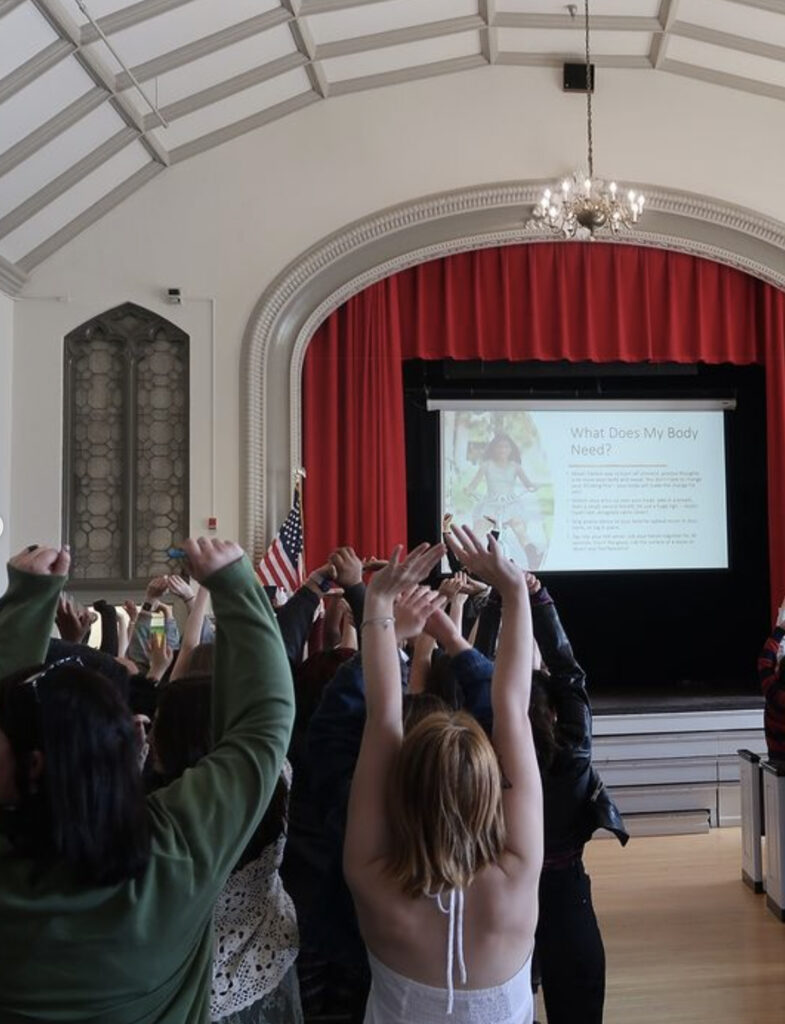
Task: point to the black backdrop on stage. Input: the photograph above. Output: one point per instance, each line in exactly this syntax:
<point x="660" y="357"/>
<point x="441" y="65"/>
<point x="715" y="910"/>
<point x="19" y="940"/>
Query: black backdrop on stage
<point x="669" y="635"/>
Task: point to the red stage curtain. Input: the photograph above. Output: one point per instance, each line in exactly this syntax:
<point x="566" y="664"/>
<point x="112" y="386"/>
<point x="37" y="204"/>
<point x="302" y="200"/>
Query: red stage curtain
<point x="353" y="442"/>
<point x="601" y="303"/>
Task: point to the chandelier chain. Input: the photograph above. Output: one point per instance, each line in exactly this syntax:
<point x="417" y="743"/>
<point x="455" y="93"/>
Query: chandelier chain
<point x="589" y="123"/>
<point x="582" y="206"/>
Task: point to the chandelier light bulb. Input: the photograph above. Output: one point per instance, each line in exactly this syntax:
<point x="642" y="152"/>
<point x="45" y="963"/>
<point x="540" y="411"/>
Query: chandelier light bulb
<point x="565" y="186"/>
<point x="613" y="187"/>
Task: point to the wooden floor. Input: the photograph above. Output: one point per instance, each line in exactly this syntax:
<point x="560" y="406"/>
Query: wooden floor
<point x="686" y="941"/>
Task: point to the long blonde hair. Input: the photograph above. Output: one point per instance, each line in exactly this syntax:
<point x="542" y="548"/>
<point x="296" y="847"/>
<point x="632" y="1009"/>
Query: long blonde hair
<point x="446" y="805"/>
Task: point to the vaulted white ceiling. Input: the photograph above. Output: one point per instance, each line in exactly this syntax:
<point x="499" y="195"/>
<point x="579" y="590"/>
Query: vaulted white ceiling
<point x="78" y="134"/>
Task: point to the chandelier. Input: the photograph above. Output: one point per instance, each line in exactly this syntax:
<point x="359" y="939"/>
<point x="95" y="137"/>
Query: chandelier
<point x="582" y="205"/>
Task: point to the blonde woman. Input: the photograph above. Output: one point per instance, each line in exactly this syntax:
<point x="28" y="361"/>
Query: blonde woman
<point x="444" y="835"/>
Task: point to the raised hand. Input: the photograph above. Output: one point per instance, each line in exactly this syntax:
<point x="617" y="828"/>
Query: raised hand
<point x="131" y="610"/>
<point x="413" y="608"/>
<point x="42" y="561"/>
<point x="533" y="584"/>
<point x="348" y="566"/>
<point x="156" y="588"/>
<point x="72" y="619"/>
<point x="454" y="587"/>
<point x="399" y="575"/>
<point x="441" y="627"/>
<point x="180" y="588"/>
<point x="208" y="556"/>
<point x="161" y="656"/>
<point x="488" y="563"/>
<point x="316" y="579"/>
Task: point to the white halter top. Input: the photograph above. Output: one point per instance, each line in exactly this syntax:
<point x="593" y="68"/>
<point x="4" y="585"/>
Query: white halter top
<point x="395" y="999"/>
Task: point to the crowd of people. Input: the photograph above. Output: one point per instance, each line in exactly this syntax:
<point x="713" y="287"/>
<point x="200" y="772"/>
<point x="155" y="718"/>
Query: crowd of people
<point x="369" y="803"/>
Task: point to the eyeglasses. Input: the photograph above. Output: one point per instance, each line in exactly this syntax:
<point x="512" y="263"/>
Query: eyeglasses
<point x="35" y="678"/>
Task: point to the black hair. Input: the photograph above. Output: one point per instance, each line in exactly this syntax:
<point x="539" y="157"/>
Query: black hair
<point x="442" y="682"/>
<point x="310" y="678"/>
<point x="201" y="660"/>
<point x="515" y="452"/>
<point x="417" y="706"/>
<point x="182" y="730"/>
<point x="87" y="808"/>
<point x="182" y="736"/>
<point x="543" y="721"/>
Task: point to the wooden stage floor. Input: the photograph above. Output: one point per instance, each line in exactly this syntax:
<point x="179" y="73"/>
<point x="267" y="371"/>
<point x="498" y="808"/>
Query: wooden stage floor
<point x="685" y="940"/>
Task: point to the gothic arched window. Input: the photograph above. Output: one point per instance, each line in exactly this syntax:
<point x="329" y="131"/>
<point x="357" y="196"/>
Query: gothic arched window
<point x="125" y="478"/>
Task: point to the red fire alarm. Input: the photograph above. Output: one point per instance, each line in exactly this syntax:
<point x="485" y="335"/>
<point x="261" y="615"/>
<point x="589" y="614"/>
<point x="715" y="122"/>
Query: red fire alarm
<point x="212" y="522"/>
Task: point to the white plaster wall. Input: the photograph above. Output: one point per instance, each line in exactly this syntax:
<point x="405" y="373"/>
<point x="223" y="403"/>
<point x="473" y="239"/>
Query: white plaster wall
<point x="6" y="381"/>
<point x="225" y="223"/>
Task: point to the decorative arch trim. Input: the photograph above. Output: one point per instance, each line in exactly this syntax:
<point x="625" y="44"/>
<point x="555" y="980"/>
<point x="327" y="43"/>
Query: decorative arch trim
<point x="343" y="264"/>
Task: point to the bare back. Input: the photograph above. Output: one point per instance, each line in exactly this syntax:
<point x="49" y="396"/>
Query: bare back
<point x="410" y="935"/>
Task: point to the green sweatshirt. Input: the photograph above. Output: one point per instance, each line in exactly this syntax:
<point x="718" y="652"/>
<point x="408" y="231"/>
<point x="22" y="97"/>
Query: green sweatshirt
<point x="140" y="952"/>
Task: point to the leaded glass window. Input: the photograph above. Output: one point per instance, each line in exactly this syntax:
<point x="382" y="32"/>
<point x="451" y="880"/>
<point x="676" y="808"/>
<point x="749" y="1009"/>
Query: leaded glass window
<point x="126" y="446"/>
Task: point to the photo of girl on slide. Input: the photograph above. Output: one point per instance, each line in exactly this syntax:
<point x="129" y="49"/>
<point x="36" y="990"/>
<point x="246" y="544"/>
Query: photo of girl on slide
<point x="503" y="496"/>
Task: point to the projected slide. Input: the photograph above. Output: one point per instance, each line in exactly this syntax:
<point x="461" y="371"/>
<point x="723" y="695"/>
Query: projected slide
<point x="590" y="486"/>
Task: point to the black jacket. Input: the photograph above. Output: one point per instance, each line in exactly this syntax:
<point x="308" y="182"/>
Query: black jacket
<point x="575" y="800"/>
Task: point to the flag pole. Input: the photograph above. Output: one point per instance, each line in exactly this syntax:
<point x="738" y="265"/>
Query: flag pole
<point x="299" y="476"/>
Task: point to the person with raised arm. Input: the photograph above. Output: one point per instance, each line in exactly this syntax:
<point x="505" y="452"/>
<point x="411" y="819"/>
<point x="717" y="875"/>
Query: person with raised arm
<point x="444" y="836"/>
<point x="569" y="947"/>
<point x="106" y="896"/>
<point x="771" y="673"/>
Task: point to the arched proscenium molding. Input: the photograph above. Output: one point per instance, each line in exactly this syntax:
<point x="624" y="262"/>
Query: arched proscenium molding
<point x="310" y="288"/>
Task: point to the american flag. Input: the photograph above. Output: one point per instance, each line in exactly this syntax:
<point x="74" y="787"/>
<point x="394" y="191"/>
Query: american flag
<point x="282" y="565"/>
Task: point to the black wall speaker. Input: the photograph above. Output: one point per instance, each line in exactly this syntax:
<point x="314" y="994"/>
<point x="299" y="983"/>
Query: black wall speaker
<point x="575" y="78"/>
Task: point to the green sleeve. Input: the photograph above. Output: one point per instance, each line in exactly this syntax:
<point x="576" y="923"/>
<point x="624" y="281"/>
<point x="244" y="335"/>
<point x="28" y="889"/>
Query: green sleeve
<point x="212" y="811"/>
<point x="27" y="614"/>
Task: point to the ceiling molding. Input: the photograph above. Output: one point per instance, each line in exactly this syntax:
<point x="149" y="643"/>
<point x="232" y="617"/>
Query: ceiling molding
<point x="229" y="87"/>
<point x="303" y="40"/>
<point x="399" y="36"/>
<point x="37" y="65"/>
<point x="89" y="216"/>
<point x="203" y="47"/>
<point x="55" y="188"/>
<point x="127" y="18"/>
<point x="248" y="124"/>
<point x="6" y="6"/>
<point x="548" y="60"/>
<point x="489" y="37"/>
<point x="51" y="129"/>
<point x="347" y="261"/>
<point x="311" y="7"/>
<point x="598" y="23"/>
<point x="12" y="277"/>
<point x="410" y="74"/>
<point x="703" y="34"/>
<point x="62" y="23"/>
<point x="659" y="44"/>
<point x="775" y="6"/>
<point x="751" y="85"/>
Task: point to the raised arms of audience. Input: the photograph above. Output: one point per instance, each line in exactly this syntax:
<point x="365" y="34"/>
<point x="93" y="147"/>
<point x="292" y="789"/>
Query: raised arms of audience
<point x="349" y="575"/>
<point x="510" y="694"/>
<point x="27" y="609"/>
<point x="218" y="804"/>
<point x="192" y="633"/>
<point x="367" y="826"/>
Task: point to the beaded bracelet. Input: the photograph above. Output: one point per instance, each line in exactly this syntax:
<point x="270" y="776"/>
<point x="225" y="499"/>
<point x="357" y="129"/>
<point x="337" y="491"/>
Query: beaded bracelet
<point x="384" y="622"/>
